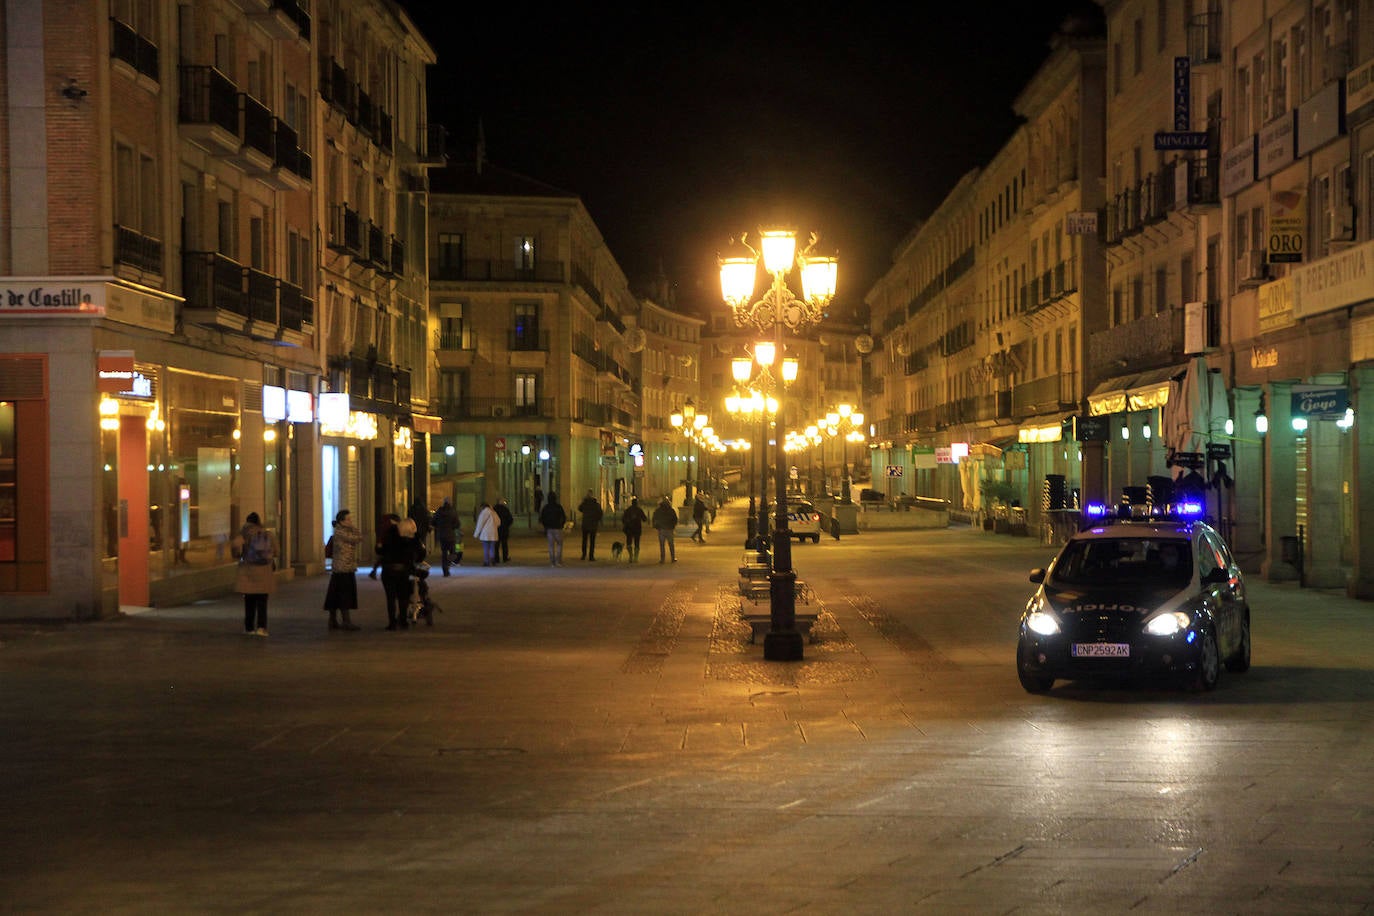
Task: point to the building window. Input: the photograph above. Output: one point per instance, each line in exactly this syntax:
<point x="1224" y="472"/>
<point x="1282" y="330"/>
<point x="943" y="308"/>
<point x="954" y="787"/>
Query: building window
<point x="527" y="393"/>
<point x="452" y="388"/>
<point x="450" y="255"/>
<point x="524" y="253"/>
<point x="525" y="334"/>
<point x="1161" y="290"/>
<point x="454" y="332"/>
<point x="1186" y="280"/>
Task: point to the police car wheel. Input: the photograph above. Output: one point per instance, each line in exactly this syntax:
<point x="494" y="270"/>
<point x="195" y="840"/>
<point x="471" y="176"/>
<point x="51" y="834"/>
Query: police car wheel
<point x="1208" y="663"/>
<point x="1240" y="662"/>
<point x="815" y="538"/>
<point x="1034" y="683"/>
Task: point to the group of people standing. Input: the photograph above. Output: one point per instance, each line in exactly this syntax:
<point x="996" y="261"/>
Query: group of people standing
<point x="400" y="551"/>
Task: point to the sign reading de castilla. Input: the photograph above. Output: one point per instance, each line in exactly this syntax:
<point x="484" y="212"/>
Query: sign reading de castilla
<point x="42" y="298"/>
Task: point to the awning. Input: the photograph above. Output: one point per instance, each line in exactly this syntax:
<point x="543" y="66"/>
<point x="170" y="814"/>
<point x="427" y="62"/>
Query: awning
<point x="1136" y="391"/>
<point x="990" y="449"/>
<point x="1049" y="428"/>
<point x="427" y="424"/>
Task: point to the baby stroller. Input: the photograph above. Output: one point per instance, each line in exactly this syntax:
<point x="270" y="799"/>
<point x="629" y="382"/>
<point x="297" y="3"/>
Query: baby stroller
<point x="421" y="606"/>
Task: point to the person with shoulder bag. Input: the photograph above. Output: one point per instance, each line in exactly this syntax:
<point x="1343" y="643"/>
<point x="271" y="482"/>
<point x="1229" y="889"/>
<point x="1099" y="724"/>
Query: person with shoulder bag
<point x="256" y="577"/>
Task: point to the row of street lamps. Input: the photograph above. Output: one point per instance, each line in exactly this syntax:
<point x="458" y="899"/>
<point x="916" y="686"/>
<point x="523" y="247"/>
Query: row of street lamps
<point x="844" y="422"/>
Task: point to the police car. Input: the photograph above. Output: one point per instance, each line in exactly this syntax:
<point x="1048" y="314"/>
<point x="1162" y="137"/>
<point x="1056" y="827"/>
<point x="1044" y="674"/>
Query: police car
<point x="803" y="520"/>
<point x="1159" y="597"/>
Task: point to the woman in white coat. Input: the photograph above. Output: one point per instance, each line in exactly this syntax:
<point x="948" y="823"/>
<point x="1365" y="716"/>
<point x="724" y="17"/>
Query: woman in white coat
<point x="487" y="530"/>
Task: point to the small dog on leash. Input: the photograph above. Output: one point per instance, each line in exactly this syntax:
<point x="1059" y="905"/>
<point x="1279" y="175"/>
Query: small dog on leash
<point x="617" y="549"/>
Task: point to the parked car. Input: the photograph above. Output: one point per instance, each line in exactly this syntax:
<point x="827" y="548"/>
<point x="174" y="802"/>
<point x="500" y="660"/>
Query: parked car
<point x="1149" y="599"/>
<point x="804" y="520"/>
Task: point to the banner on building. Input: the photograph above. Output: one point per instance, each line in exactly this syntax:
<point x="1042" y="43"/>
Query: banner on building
<point x="1287" y="226"/>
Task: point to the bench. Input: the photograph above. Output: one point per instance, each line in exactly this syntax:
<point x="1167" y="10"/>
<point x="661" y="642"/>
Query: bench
<point x="759" y="617"/>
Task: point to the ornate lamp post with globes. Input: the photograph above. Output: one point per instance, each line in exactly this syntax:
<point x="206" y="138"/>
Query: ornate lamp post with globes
<point x="777" y="310"/>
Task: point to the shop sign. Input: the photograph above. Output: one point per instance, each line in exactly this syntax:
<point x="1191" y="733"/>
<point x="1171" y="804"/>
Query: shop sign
<point x="1081" y="222"/>
<point x="273" y="403"/>
<point x="334" y="409"/>
<point x="141" y="310"/>
<point x="499" y="443"/>
<point x="1276" y="305"/>
<point x="1238" y="166"/>
<point x="1320" y="119"/>
<point x="114" y="371"/>
<point x="1320" y="402"/>
<point x="1276" y="145"/>
<point x="923" y="457"/>
<point x="67" y="296"/>
<point x="1333" y="282"/>
<point x="943" y="455"/>
<point x="1359" y="87"/>
<point x="1092" y="429"/>
<point x="1287" y="226"/>
<point x="299" y="407"/>
<point x="1264" y="357"/>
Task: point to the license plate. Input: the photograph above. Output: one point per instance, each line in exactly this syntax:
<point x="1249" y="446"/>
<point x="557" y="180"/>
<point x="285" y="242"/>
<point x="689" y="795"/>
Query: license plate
<point x="1102" y="650"/>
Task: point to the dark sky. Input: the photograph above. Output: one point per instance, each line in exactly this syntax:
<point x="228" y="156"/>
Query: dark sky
<point x="679" y="127"/>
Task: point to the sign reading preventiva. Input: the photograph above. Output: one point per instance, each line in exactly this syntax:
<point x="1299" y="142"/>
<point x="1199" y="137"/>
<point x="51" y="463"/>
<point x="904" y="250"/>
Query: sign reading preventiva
<point x="1320" y="402"/>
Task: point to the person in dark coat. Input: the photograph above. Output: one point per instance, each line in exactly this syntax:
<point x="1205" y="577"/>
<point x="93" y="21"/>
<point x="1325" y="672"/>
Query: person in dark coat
<point x="503" y="514"/>
<point x="341" y="596"/>
<point x="384" y="525"/>
<point x="699" y="516"/>
<point x="398" y="556"/>
<point x="553" y="518"/>
<point x="665" y="523"/>
<point x="256" y="578"/>
<point x="632" y="522"/>
<point x="591" y="520"/>
<point x="538" y="499"/>
<point x="448" y="531"/>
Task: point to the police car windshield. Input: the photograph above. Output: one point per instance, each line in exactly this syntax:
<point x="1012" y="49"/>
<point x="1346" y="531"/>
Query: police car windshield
<point x="1114" y="561"/>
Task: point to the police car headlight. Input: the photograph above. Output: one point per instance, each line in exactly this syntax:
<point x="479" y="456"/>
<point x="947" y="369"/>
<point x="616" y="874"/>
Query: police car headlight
<point x="1042" y="623"/>
<point x="1168" y="624"/>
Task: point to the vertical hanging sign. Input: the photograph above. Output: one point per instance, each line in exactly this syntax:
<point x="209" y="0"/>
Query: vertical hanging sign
<point x="1182" y="93"/>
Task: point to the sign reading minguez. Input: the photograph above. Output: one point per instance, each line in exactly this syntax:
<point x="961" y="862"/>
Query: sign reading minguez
<point x="1320" y="402"/>
<point x="1180" y="139"/>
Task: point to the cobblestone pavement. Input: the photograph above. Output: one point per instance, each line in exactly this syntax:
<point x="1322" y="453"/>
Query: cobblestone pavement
<point x="604" y="738"/>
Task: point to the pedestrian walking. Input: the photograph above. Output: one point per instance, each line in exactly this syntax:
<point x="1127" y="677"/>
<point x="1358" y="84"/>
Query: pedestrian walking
<point x="553" y="518"/>
<point x="398" y="556"/>
<point x="256" y="577"/>
<point x="384" y="525"/>
<point x="448" y="534"/>
<point x="419" y="514"/>
<point x="591" y="520"/>
<point x="341" y="596"/>
<point x="487" y="531"/>
<point x="699" y="516"/>
<point x="665" y="523"/>
<point x="504" y="516"/>
<point x="632" y="523"/>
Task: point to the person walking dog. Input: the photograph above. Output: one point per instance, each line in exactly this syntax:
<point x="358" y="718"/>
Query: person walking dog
<point x="632" y="523"/>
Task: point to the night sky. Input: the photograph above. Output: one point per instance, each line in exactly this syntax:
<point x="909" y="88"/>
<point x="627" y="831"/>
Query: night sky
<point x="680" y="128"/>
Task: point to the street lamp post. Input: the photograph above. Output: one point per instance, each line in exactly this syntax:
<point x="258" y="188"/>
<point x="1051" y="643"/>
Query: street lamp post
<point x="848" y="423"/>
<point x="778" y="309"/>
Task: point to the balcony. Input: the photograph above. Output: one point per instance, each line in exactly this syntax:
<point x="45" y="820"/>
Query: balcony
<point x="366" y="118"/>
<point x="284" y="19"/>
<point x="527" y="340"/>
<point x="214" y="291"/>
<point x="1050" y="394"/>
<point x="433" y="144"/>
<point x="285" y="174"/>
<point x="138" y="252"/>
<point x="262" y="300"/>
<point x="133" y="49"/>
<point x="208" y="110"/>
<point x="385" y="132"/>
<point x="346" y="230"/>
<point x="1154" y="340"/>
<point x="258" y="152"/>
<point x="1051" y="286"/>
<point x="498" y="271"/>
<point x="377" y="251"/>
<point x="1204" y="190"/>
<point x="495" y="409"/>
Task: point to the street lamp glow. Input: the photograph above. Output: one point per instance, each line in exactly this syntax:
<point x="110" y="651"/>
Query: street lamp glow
<point x="741" y="367"/>
<point x="790" y="367"/>
<point x="819" y="276"/>
<point x="765" y="351"/>
<point x="737" y="280"/>
<point x="779" y="250"/>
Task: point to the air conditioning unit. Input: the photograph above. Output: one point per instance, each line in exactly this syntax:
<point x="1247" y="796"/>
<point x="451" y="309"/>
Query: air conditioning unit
<point x="500" y="411"/>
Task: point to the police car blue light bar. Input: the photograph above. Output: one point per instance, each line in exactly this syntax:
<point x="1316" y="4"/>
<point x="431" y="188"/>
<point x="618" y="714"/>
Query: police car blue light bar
<point x="1096" y="510"/>
<point x="1188" y="508"/>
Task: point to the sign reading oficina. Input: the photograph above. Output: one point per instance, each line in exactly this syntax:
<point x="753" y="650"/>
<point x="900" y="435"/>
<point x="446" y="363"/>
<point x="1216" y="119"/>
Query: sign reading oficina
<point x="51" y="296"/>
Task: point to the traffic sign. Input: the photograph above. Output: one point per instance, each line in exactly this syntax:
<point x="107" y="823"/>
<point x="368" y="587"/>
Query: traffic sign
<point x="894" y="470"/>
<point x="1180" y="139"/>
